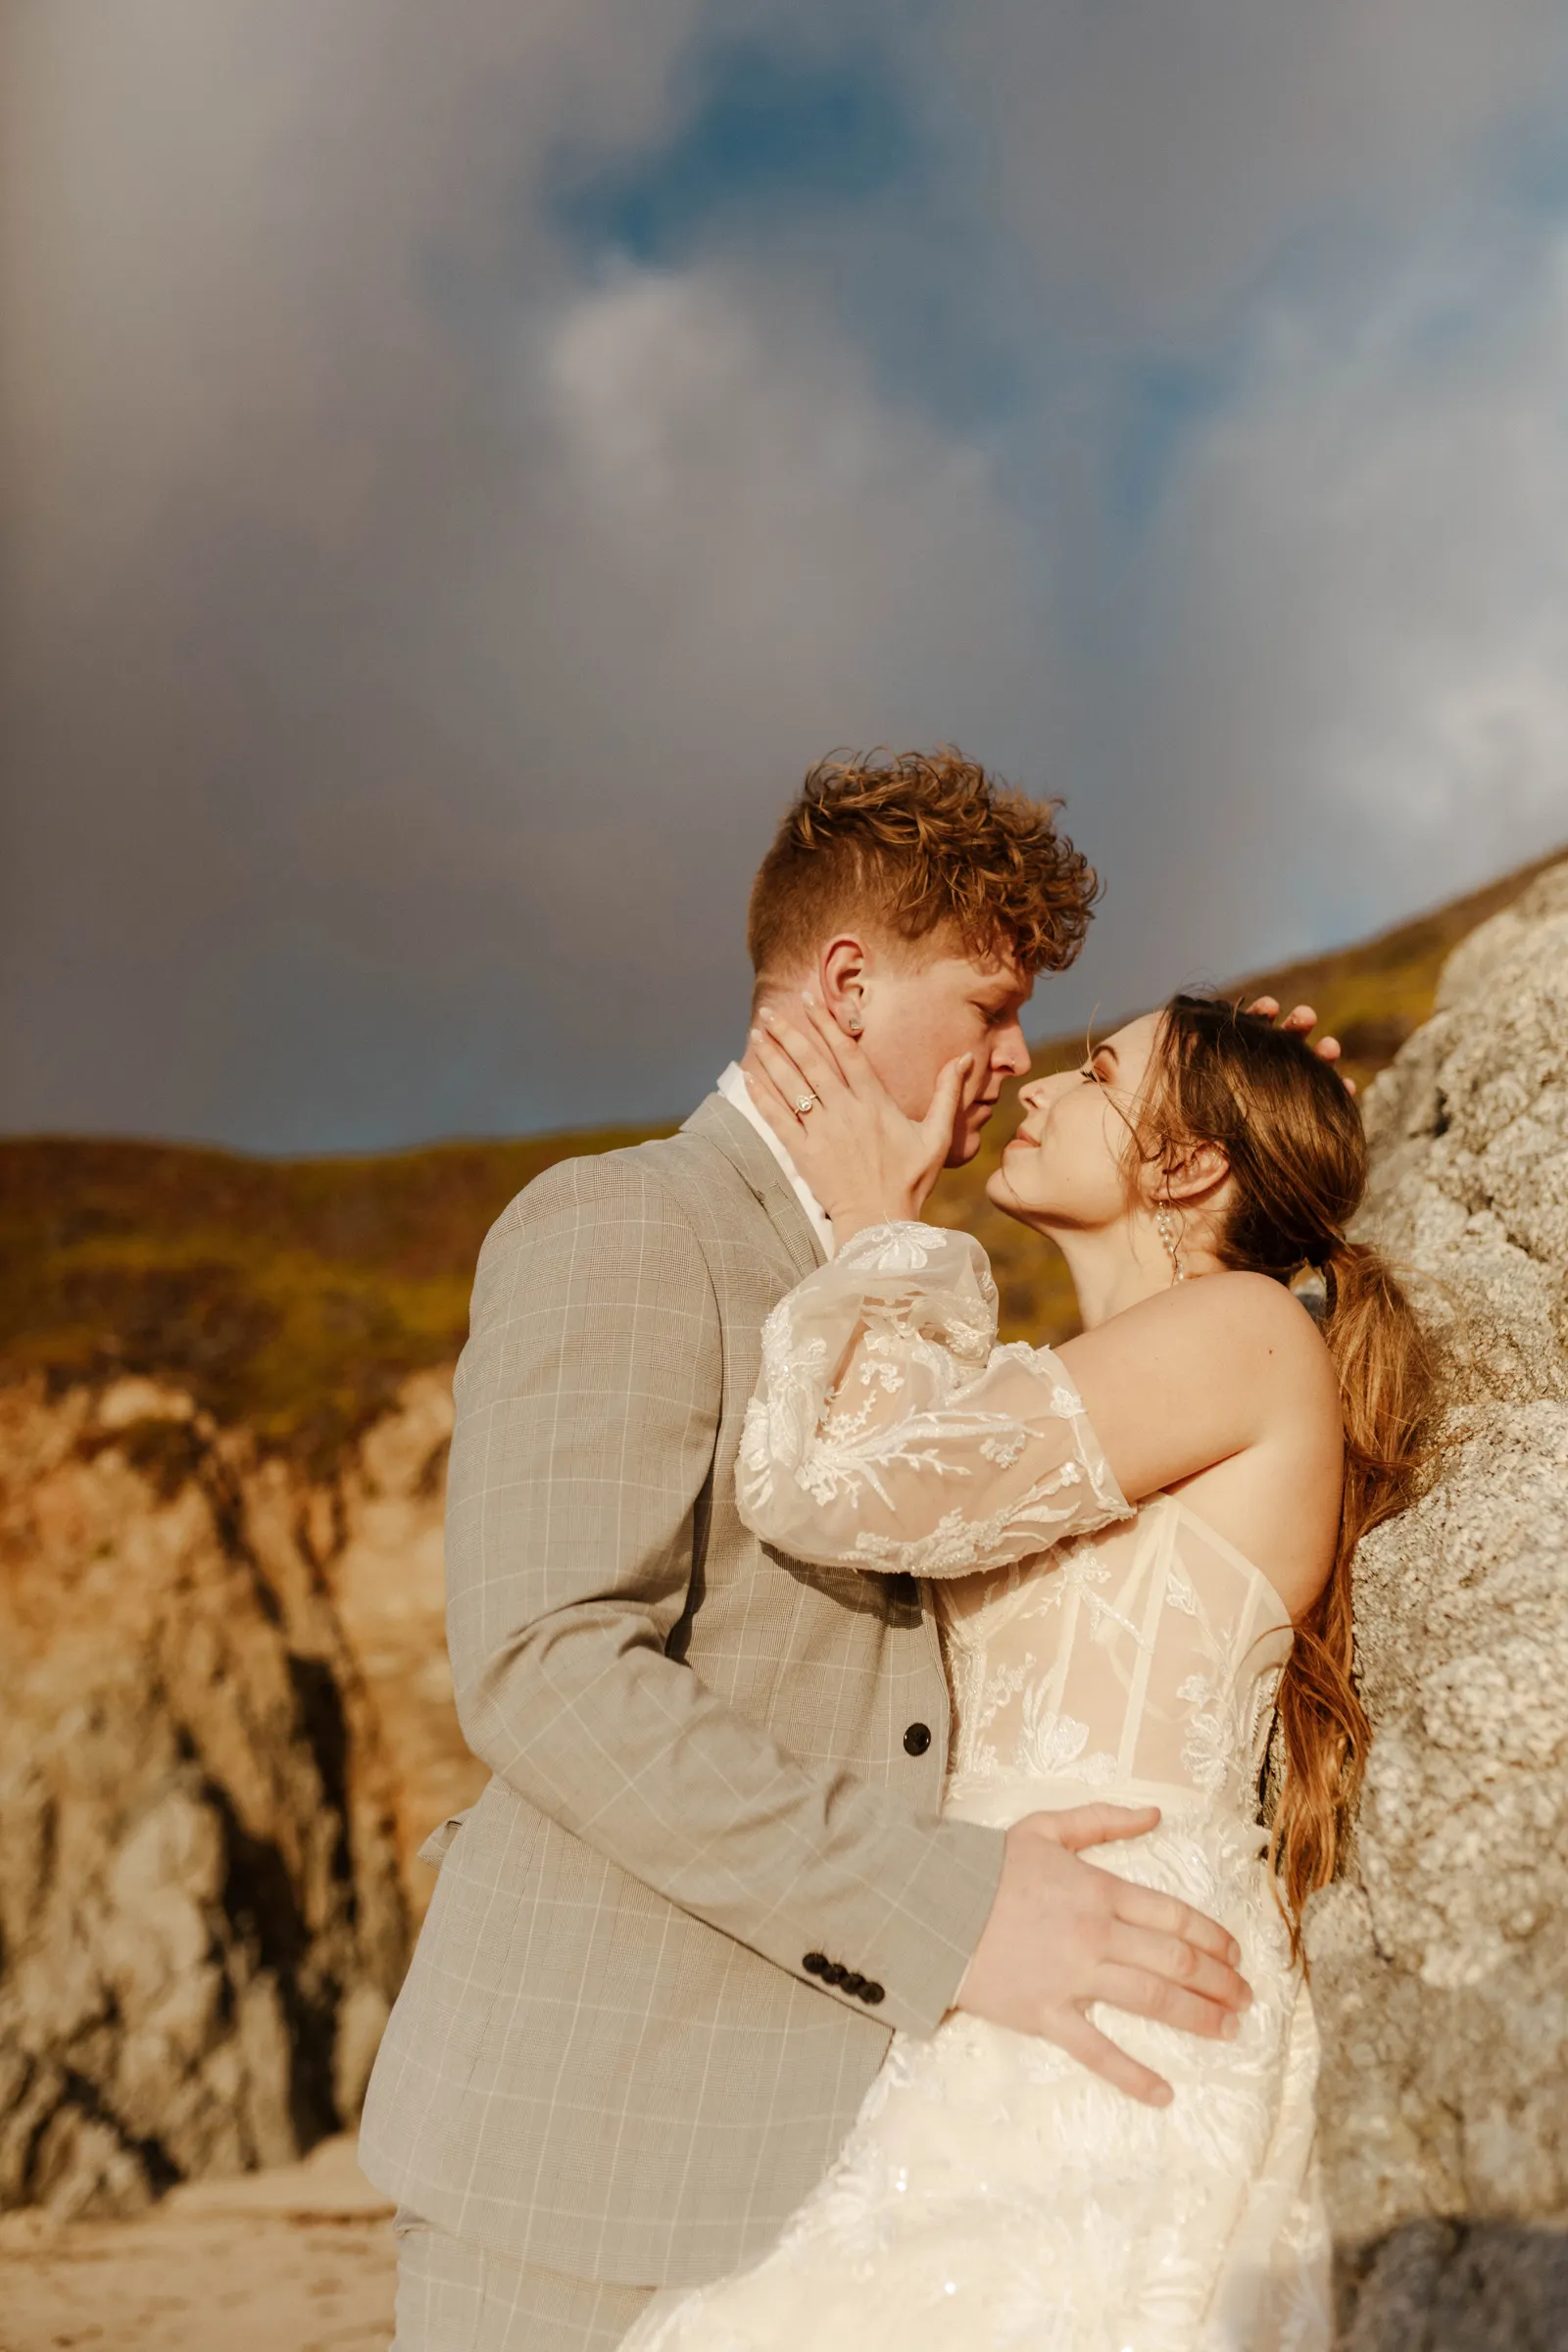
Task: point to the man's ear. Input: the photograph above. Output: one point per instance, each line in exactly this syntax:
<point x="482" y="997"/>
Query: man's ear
<point x="1194" y="1175"/>
<point x="842" y="971"/>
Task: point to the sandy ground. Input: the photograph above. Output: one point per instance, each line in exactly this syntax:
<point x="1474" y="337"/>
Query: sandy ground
<point x="293" y="2260"/>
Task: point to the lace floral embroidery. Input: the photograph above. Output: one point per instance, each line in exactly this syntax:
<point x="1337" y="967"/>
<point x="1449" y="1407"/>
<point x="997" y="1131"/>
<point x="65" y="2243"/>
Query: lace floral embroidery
<point x="890" y="1435"/>
<point x="882" y="1391"/>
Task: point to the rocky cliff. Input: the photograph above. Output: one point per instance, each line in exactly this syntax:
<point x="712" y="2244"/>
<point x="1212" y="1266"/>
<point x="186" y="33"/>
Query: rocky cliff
<point x="224" y="1723"/>
<point x="1440" y="1966"/>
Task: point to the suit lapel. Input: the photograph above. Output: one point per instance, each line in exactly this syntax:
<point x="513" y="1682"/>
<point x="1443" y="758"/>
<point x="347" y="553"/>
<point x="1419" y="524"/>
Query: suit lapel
<point x="721" y="1124"/>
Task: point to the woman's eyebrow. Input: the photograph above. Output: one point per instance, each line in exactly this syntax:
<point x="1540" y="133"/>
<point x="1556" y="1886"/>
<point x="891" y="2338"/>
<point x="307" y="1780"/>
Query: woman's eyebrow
<point x="1111" y="1051"/>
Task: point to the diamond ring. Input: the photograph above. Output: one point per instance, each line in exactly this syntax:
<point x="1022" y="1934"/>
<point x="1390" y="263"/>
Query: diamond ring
<point x="807" y="1103"/>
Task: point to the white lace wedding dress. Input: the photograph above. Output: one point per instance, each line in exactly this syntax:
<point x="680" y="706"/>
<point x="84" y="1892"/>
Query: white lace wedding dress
<point x="993" y="2193"/>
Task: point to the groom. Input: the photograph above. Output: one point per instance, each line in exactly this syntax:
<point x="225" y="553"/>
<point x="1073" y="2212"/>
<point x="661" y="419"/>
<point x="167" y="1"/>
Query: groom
<point x="709" y="1870"/>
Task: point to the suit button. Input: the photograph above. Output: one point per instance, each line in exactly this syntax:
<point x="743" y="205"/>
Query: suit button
<point x="856" y="1986"/>
<point x="834" y="1973"/>
<point x="916" y="1739"/>
<point x="871" y="1994"/>
<point x="816" y="1964"/>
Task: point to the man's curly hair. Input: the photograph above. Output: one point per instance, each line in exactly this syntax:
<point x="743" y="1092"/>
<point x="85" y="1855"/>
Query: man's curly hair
<point x="920" y="843"/>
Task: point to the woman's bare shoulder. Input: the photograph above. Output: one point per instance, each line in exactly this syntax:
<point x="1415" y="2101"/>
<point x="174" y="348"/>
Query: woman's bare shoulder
<point x="1216" y="1308"/>
<point x="1238" y="1331"/>
<point x="1255" y="1303"/>
<point x="1203" y="1374"/>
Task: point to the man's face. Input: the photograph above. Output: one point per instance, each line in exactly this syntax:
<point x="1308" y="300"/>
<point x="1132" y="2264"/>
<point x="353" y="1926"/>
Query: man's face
<point x="922" y="1009"/>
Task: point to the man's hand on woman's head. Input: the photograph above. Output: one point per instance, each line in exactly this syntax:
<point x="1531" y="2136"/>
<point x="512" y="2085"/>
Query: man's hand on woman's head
<point x="1301" y="1020"/>
<point x="862" y="1157"/>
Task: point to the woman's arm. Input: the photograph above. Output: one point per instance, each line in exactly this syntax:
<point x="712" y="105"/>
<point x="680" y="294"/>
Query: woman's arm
<point x="889" y="1432"/>
<point x="1195" y="1375"/>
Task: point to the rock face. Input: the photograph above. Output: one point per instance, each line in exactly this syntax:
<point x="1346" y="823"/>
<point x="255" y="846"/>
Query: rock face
<point x="202" y="1918"/>
<point x="383" y="1560"/>
<point x="1440" y="1966"/>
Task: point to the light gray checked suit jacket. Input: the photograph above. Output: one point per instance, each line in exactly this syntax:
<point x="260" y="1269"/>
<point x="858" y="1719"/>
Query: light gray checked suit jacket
<point x="616" y="2054"/>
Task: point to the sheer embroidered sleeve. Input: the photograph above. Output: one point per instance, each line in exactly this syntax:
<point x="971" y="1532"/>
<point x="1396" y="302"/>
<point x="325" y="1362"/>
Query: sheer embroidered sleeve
<point x="889" y="1431"/>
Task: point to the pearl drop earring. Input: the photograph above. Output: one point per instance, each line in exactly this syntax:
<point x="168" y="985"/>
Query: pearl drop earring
<point x="1166" y="1225"/>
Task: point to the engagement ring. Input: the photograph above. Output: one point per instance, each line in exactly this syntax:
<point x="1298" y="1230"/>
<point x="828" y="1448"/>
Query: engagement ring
<point x="807" y="1103"/>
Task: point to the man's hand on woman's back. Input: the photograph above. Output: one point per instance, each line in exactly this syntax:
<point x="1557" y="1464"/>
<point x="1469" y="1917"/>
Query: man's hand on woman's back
<point x="1063" y="1934"/>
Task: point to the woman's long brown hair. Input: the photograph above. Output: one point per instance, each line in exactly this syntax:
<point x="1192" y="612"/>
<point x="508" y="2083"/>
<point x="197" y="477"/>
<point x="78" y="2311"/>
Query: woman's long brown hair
<point x="1292" y="1136"/>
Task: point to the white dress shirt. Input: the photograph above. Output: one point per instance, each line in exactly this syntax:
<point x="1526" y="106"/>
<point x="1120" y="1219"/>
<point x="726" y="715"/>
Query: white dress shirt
<point x="734" y="1089"/>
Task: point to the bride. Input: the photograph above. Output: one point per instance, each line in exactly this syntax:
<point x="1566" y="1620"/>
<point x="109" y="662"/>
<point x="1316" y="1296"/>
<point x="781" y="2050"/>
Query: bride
<point x="1143" y="1539"/>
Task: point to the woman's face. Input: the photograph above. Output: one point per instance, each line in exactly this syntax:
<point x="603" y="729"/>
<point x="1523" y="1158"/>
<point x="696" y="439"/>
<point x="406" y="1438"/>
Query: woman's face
<point x="1067" y="1165"/>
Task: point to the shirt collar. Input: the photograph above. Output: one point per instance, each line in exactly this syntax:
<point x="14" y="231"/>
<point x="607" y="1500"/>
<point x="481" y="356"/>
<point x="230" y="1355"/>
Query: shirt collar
<point x="732" y="1085"/>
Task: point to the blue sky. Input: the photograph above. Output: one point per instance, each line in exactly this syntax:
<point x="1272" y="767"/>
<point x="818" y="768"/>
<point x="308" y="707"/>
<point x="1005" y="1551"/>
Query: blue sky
<point x="460" y="470"/>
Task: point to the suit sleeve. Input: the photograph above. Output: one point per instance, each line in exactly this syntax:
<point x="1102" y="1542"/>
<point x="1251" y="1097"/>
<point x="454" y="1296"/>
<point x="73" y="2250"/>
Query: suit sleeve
<point x="588" y="1402"/>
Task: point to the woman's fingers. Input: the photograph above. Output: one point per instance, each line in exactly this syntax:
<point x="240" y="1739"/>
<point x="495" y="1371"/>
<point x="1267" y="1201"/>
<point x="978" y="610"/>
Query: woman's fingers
<point x="775" y="1101"/>
<point x="940" y="1120"/>
<point x="843" y="1051"/>
<point x="806" y="1050"/>
<point x="789" y="1081"/>
<point x="1074" y="2033"/>
<point x="848" y="1052"/>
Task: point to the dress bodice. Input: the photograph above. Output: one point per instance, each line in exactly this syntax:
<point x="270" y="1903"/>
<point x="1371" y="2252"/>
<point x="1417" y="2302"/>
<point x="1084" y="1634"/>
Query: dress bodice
<point x="1087" y="1641"/>
<point x="1143" y="1655"/>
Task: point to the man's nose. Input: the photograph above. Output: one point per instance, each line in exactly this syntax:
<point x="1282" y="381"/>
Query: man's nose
<point x="1011" y="1055"/>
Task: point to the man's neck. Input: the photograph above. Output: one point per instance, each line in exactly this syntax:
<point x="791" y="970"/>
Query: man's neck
<point x="747" y="1101"/>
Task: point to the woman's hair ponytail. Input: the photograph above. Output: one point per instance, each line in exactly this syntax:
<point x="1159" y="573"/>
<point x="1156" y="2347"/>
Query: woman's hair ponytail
<point x="1292" y="1137"/>
<point x="1383" y="1361"/>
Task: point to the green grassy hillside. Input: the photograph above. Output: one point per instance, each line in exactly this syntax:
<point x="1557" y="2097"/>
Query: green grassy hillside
<point x="292" y="1294"/>
<point x="295" y="1295"/>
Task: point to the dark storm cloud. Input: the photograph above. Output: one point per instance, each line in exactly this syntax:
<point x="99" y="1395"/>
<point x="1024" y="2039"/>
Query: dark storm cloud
<point x="458" y="472"/>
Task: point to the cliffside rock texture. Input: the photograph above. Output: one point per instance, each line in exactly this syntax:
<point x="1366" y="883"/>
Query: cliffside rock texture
<point x="201" y="1918"/>
<point x="384" y="1568"/>
<point x="1441" y="1967"/>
